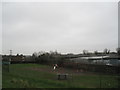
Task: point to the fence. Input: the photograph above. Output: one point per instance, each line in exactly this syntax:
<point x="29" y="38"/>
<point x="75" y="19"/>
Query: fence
<point x="5" y="66"/>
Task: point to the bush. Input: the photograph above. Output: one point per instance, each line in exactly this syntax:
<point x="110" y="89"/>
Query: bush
<point x="22" y="83"/>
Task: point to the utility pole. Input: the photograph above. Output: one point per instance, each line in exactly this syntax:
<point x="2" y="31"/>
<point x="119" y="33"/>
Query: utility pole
<point x="10" y="52"/>
<point x="9" y="60"/>
<point x="10" y="55"/>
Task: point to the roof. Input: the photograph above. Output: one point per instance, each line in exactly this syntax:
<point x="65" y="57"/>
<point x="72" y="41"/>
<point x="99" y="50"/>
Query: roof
<point x="95" y="57"/>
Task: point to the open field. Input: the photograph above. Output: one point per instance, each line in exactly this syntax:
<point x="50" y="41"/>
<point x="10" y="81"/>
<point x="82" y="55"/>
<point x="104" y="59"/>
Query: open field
<point x="43" y="76"/>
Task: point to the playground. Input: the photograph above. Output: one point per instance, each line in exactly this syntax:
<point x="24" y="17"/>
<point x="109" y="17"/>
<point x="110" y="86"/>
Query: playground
<point x="45" y="76"/>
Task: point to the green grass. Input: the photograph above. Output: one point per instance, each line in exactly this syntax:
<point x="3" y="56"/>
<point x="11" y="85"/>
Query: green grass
<point x="22" y="77"/>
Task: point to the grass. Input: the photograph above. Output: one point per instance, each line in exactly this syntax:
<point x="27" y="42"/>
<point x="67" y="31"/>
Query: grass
<point x="20" y="76"/>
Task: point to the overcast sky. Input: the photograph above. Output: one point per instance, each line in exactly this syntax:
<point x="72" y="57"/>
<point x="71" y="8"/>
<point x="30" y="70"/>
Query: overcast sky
<point x="65" y="27"/>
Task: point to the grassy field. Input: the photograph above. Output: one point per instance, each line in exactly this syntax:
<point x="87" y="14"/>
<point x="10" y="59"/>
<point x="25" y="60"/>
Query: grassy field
<point x="43" y="76"/>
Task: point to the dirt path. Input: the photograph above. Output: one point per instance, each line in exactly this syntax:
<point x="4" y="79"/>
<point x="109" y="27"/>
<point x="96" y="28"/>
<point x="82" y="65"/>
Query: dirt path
<point x="60" y="70"/>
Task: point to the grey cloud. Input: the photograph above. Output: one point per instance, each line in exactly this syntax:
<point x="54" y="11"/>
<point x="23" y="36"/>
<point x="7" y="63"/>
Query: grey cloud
<point x="67" y="27"/>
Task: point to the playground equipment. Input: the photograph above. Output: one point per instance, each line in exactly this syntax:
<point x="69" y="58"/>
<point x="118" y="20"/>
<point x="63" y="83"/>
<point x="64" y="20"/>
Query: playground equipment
<point x="62" y="76"/>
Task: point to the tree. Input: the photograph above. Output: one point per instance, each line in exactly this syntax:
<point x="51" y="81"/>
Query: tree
<point x="35" y="57"/>
<point x="85" y="52"/>
<point x="44" y="58"/>
<point x="96" y="52"/>
<point x="35" y="54"/>
<point x="17" y="55"/>
<point x="118" y="51"/>
<point x="40" y="53"/>
<point x="106" y="51"/>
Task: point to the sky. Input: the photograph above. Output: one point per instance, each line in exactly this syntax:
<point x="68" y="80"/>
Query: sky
<point x="0" y="46"/>
<point x="68" y="27"/>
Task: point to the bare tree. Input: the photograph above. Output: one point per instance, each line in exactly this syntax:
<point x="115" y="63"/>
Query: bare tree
<point x="35" y="54"/>
<point x="106" y="51"/>
<point x="118" y="50"/>
<point x="85" y="52"/>
<point x="96" y="52"/>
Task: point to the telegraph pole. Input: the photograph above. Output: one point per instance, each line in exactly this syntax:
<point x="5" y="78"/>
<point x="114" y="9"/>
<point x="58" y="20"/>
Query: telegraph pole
<point x="10" y="55"/>
<point x="10" y="52"/>
<point x="9" y="60"/>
